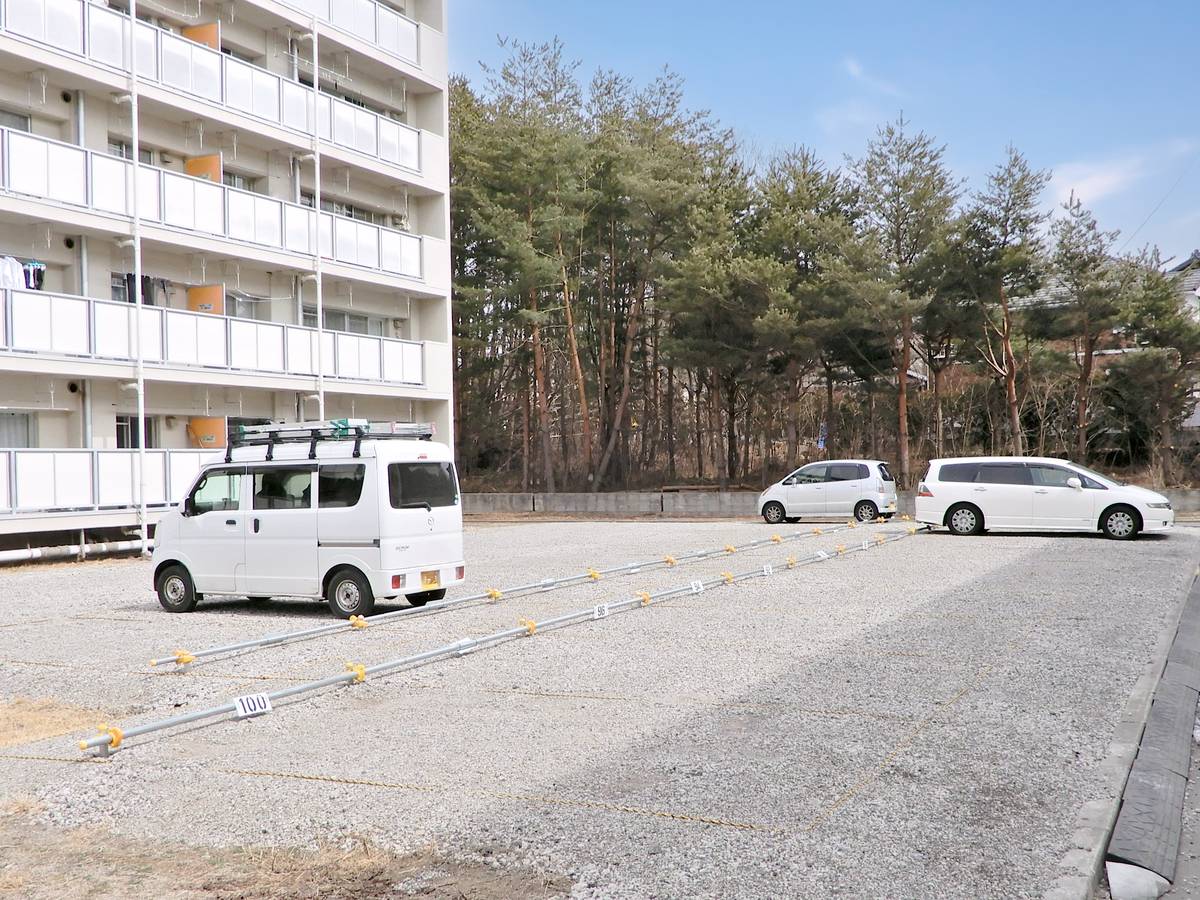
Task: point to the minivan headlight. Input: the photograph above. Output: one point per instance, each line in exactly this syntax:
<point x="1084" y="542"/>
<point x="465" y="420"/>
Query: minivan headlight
<point x="1166" y="504"/>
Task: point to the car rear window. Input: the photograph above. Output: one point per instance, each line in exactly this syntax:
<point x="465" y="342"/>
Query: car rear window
<point x="958" y="472"/>
<point x="414" y="484"/>
<point x="886" y="474"/>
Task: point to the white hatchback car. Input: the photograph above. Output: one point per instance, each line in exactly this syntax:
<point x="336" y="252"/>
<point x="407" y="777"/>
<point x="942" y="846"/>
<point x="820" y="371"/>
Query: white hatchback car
<point x="837" y="488"/>
<point x="1015" y="493"/>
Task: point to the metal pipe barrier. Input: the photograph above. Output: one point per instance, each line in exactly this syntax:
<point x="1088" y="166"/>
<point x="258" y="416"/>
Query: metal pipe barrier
<point x="110" y="738"/>
<point x="491" y="595"/>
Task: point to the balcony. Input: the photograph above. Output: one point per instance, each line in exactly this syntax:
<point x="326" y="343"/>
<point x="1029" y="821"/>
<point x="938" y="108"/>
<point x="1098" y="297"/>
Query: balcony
<point x="65" y="326"/>
<point x="67" y="175"/>
<point x="198" y="72"/>
<point x="382" y="27"/>
<point x="37" y="482"/>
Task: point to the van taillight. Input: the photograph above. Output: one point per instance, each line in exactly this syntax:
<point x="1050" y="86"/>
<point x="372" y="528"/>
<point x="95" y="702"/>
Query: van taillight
<point x="879" y="487"/>
<point x="460" y="572"/>
<point x="923" y="491"/>
<point x="397" y="582"/>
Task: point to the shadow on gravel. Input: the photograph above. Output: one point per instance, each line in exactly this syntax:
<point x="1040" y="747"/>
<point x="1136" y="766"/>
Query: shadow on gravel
<point x="1061" y="535"/>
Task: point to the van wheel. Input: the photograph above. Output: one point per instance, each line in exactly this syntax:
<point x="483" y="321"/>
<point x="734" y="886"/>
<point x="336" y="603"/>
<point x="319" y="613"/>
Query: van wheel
<point x="425" y="597"/>
<point x="866" y="511"/>
<point x="774" y="513"/>
<point x="348" y="594"/>
<point x="175" y="590"/>
<point x="964" y="519"/>
<point x="1121" y="523"/>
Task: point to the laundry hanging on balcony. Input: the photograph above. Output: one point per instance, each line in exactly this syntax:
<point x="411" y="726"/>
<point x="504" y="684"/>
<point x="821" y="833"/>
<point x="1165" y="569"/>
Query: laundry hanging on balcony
<point x="35" y="274"/>
<point x="12" y="273"/>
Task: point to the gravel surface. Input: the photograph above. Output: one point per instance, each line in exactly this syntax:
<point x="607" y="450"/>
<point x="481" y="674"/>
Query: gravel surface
<point x="921" y="720"/>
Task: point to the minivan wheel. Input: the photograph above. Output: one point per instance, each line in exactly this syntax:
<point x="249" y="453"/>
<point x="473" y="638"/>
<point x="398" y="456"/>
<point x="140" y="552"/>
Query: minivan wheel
<point x="426" y="597"/>
<point x="965" y="519"/>
<point x="348" y="594"/>
<point x="774" y="513"/>
<point x="866" y="511"/>
<point x="175" y="590"/>
<point x="1120" y="523"/>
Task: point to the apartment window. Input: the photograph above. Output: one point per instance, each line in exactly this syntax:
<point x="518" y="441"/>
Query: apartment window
<point x="348" y="210"/>
<point x="238" y="54"/>
<point x="128" y="432"/>
<point x="16" y="430"/>
<point x="15" y="121"/>
<point x="118" y="287"/>
<point x="122" y="148"/>
<point x="239" y="181"/>
<point x="343" y="320"/>
<point x="246" y="308"/>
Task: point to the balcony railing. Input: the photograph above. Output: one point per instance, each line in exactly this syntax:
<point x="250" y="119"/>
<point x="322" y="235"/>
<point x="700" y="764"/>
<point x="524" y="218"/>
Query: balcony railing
<point x="37" y="322"/>
<point x="196" y="70"/>
<point x="45" y="481"/>
<point x="67" y="174"/>
<point x="369" y="21"/>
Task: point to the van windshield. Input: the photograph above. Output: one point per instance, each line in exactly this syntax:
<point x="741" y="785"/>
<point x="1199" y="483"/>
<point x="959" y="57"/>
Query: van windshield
<point x="412" y="485"/>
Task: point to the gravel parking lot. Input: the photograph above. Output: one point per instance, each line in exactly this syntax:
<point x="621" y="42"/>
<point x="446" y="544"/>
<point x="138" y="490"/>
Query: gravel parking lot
<point x="922" y="720"/>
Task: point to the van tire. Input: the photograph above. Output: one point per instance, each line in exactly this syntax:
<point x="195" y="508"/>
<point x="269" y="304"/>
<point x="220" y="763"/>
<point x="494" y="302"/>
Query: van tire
<point x="865" y="511"/>
<point x="426" y="597"/>
<point x="175" y="590"/>
<point x="774" y="513"/>
<point x="1121" y="523"/>
<point x="964" y="519"/>
<point x="348" y="594"/>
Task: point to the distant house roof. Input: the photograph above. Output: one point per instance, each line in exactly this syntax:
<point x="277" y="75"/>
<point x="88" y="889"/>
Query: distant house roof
<point x="1189" y="275"/>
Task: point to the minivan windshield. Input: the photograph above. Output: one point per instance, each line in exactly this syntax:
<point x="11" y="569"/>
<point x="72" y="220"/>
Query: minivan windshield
<point x="412" y="485"/>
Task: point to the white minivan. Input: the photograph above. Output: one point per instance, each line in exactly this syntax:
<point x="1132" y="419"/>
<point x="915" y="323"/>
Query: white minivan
<point x="1016" y="493"/>
<point x="345" y="515"/>
<point x="836" y="488"/>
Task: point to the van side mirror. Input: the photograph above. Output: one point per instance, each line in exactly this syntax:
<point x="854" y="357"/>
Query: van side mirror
<point x="1074" y="482"/>
<point x="189" y="506"/>
<point x="789" y="481"/>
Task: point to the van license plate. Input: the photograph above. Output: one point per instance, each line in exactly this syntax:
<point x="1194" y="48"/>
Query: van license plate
<point x="431" y="580"/>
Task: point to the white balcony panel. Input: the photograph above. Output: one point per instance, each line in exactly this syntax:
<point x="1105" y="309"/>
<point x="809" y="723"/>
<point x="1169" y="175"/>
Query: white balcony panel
<point x="400" y="253"/>
<point x="397" y="34"/>
<point x="108" y="37"/>
<point x="356" y="17"/>
<point x="414" y="364"/>
<point x="60" y="480"/>
<point x="190" y="67"/>
<point x="297" y="107"/>
<point x="116" y="474"/>
<point x="50" y="323"/>
<point x="58" y="22"/>
<point x="4" y="336"/>
<point x="301" y="351"/>
<point x="5" y="474"/>
<point x="270" y="347"/>
<point x="297" y="228"/>
<point x="256" y="346"/>
<point x="109" y="177"/>
<point x="147" y="51"/>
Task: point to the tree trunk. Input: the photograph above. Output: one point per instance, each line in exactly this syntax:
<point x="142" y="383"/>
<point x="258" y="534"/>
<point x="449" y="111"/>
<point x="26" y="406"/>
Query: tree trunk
<point x="873" y="421"/>
<point x="585" y="415"/>
<point x="1086" y="365"/>
<point x="525" y="435"/>
<point x="939" y="432"/>
<point x="671" y="424"/>
<point x="699" y="431"/>
<point x="543" y="402"/>
<point x="631" y="327"/>
<point x="906" y="327"/>
<point x="793" y="417"/>
<point x="717" y="406"/>
<point x="828" y="413"/>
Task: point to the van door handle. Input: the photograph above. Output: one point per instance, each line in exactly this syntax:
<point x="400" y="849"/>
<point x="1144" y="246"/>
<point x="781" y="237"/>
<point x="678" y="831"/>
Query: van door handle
<point x="979" y="490"/>
<point x="1041" y="491"/>
<point x="257" y="523"/>
<point x="231" y="521"/>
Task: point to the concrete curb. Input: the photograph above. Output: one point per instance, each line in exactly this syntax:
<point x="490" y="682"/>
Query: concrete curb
<point x="1080" y="867"/>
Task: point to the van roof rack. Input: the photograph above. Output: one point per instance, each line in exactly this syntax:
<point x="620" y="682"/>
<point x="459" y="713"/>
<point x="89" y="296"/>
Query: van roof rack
<point x="313" y="433"/>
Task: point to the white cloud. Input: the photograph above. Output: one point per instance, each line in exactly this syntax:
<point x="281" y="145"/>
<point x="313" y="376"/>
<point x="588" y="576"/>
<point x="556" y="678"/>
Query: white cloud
<point x="1092" y="180"/>
<point x="855" y="70"/>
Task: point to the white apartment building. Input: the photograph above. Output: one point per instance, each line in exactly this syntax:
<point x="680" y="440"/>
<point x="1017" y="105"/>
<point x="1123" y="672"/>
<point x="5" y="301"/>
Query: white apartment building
<point x="282" y="253"/>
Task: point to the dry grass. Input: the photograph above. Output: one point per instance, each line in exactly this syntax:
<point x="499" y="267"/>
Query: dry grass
<point x="38" y="862"/>
<point x="23" y="721"/>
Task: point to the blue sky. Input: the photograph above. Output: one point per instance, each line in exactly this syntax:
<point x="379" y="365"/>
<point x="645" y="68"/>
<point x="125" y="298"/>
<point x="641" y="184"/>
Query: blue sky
<point x="1103" y="93"/>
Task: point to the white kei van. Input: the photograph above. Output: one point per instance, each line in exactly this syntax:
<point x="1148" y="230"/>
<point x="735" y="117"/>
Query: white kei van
<point x="349" y="513"/>
<point x="836" y="488"/>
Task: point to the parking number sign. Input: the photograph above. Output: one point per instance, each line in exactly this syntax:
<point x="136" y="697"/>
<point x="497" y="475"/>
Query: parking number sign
<point x="252" y="705"/>
<point x="600" y="612"/>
